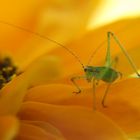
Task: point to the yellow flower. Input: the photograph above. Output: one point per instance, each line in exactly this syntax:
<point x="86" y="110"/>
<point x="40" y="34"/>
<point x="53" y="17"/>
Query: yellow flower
<point x="31" y="106"/>
<point x="122" y="101"/>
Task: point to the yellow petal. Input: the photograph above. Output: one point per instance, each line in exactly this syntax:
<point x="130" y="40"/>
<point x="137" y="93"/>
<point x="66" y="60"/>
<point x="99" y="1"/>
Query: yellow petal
<point x="122" y="100"/>
<point x="20" y="13"/>
<point x="44" y="69"/>
<point x="74" y="122"/>
<point x="123" y="104"/>
<point x="13" y="93"/>
<point x="60" y="94"/>
<point x="59" y="20"/>
<point x="8" y="127"/>
<point x="31" y="131"/>
<point x="134" y="136"/>
<point x="52" y="93"/>
<point x="125" y="30"/>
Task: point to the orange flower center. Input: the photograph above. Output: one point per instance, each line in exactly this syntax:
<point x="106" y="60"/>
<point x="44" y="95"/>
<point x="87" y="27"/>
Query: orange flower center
<point x="7" y="70"/>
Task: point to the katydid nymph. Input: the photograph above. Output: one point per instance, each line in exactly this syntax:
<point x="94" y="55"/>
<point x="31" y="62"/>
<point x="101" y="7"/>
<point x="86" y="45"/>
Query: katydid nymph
<point x="105" y="73"/>
<point x="92" y="73"/>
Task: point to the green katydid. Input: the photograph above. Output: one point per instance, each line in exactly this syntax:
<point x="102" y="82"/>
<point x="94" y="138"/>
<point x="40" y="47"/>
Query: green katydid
<point x="92" y="73"/>
<point x="105" y="73"/>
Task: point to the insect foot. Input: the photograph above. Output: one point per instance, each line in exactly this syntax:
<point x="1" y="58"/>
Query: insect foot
<point x="103" y="104"/>
<point x="77" y="92"/>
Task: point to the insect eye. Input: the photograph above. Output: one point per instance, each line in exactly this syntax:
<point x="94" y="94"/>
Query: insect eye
<point x="85" y="69"/>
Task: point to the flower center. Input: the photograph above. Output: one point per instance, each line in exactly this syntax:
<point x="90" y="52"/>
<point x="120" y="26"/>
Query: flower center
<point x="7" y="71"/>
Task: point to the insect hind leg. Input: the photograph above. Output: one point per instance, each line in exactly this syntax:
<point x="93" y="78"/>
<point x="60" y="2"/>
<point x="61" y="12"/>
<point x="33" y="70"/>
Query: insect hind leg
<point x="132" y="64"/>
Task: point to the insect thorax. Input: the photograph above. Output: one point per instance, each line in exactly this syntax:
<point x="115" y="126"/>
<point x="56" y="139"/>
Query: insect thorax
<point x="103" y="73"/>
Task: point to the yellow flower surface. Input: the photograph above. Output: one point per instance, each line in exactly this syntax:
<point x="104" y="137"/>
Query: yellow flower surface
<point x="8" y="127"/>
<point x="38" y="103"/>
<point x="121" y="100"/>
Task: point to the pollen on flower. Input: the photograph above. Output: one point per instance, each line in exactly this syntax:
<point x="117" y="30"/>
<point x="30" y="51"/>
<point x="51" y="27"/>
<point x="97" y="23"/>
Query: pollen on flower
<point x="7" y="70"/>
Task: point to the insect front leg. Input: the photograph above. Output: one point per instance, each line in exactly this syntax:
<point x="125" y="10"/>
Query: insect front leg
<point x="73" y="80"/>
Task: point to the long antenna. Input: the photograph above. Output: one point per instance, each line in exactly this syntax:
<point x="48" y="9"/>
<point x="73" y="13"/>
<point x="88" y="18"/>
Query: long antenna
<point x="95" y="51"/>
<point x="44" y="37"/>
